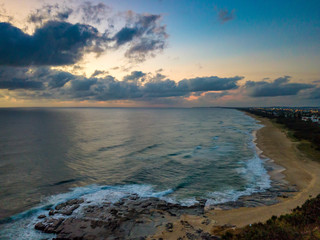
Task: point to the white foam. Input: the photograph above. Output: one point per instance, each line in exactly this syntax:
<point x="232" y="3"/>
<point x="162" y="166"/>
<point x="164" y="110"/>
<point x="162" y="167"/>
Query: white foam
<point x="22" y="225"/>
<point x="254" y="171"/>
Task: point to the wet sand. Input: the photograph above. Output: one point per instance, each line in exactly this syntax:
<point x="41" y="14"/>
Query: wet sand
<point x="298" y="170"/>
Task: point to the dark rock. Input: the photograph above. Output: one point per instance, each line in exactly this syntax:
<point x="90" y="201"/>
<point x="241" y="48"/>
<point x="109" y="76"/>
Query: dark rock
<point x="131" y="217"/>
<point x="69" y="211"/>
<point x="191" y="236"/>
<point x="169" y="227"/>
<point x="42" y="216"/>
<point x="186" y="224"/>
<point x="40" y="226"/>
<point x="51" y="212"/>
<point x="208" y="236"/>
<point x="49" y="225"/>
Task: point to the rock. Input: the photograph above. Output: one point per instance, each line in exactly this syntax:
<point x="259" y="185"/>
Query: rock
<point x="49" y="225"/>
<point x="51" y="212"/>
<point x="191" y="236"/>
<point x="208" y="236"/>
<point x="131" y="217"/>
<point x="69" y="210"/>
<point x="40" y="226"/>
<point x="206" y="221"/>
<point x="169" y="227"/>
<point x="42" y="216"/>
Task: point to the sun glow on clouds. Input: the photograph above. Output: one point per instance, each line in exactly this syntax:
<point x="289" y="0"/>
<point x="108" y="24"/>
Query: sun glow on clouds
<point x="92" y="54"/>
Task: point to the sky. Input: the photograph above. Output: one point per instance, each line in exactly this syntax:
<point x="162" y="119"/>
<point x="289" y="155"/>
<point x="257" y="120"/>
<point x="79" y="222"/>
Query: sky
<point x="159" y="53"/>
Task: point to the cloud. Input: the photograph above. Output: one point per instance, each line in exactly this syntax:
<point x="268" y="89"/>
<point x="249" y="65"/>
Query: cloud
<point x="225" y="15"/>
<point x="125" y="35"/>
<point x="135" y="86"/>
<point x="210" y="83"/>
<point x="49" y="12"/>
<point x="135" y="76"/>
<point x="57" y="40"/>
<point x="279" y="87"/>
<point x="12" y="79"/>
<point x="53" y="44"/>
<point x="108" y="88"/>
<point x="99" y="73"/>
<point x="20" y="84"/>
<point x="313" y="93"/>
<point x="59" y="79"/>
<point x="4" y="15"/>
<point x="145" y="36"/>
<point x="86" y="11"/>
<point x="93" y="13"/>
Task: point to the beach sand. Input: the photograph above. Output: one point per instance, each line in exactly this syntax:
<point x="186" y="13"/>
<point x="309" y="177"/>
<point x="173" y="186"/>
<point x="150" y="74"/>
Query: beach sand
<point x="134" y="217"/>
<point x="298" y="170"/>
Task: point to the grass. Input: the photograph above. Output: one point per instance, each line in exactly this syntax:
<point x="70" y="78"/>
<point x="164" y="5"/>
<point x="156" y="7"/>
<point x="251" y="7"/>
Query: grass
<point x="302" y="223"/>
<point x="305" y="146"/>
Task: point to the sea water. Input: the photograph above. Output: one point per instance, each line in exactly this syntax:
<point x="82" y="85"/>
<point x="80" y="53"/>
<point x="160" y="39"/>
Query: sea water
<point x="50" y="155"/>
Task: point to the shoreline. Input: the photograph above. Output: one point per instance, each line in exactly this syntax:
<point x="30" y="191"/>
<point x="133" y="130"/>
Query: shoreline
<point x="299" y="170"/>
<point x="288" y="165"/>
<point x="152" y="218"/>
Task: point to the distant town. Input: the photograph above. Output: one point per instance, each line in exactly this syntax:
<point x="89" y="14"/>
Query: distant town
<point x="304" y="114"/>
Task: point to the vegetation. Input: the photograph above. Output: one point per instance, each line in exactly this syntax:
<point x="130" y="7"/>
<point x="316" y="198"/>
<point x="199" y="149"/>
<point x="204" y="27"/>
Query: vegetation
<point x="301" y="130"/>
<point x="303" y="223"/>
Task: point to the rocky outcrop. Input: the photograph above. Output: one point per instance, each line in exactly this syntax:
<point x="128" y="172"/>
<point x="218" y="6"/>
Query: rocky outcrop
<point x="129" y="218"/>
<point x="133" y="217"/>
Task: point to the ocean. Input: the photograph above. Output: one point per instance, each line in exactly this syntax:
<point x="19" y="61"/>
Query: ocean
<point x="49" y="155"/>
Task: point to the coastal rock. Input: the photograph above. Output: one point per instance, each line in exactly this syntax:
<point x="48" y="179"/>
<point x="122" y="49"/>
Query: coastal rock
<point x="131" y="217"/>
<point x="49" y="225"/>
<point x="134" y="217"/>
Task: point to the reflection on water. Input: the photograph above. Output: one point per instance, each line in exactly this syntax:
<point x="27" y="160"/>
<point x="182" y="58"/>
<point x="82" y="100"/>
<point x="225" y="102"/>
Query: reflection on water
<point x="194" y="152"/>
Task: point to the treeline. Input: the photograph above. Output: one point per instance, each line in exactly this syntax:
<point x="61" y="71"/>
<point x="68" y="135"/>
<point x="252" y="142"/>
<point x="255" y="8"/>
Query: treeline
<point x="306" y="130"/>
<point x="302" y="223"/>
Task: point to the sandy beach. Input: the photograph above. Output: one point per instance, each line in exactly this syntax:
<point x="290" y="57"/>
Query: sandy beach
<point x="134" y="217"/>
<point x="298" y="170"/>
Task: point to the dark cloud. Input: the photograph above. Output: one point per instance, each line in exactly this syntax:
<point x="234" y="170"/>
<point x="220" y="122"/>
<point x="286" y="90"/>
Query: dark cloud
<point x="311" y="93"/>
<point x="59" y="79"/>
<point x="20" y="84"/>
<point x="315" y="93"/>
<point x="135" y="76"/>
<point x="137" y="85"/>
<point x="209" y="84"/>
<point x="125" y="35"/>
<point x="12" y="79"/>
<point x="49" y="13"/>
<point x="145" y="36"/>
<point x="55" y="43"/>
<point x="99" y="73"/>
<point x="279" y="87"/>
<point x="225" y="15"/>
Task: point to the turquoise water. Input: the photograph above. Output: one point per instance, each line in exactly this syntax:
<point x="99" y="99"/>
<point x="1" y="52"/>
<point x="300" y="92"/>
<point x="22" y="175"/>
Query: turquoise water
<point x="50" y="155"/>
